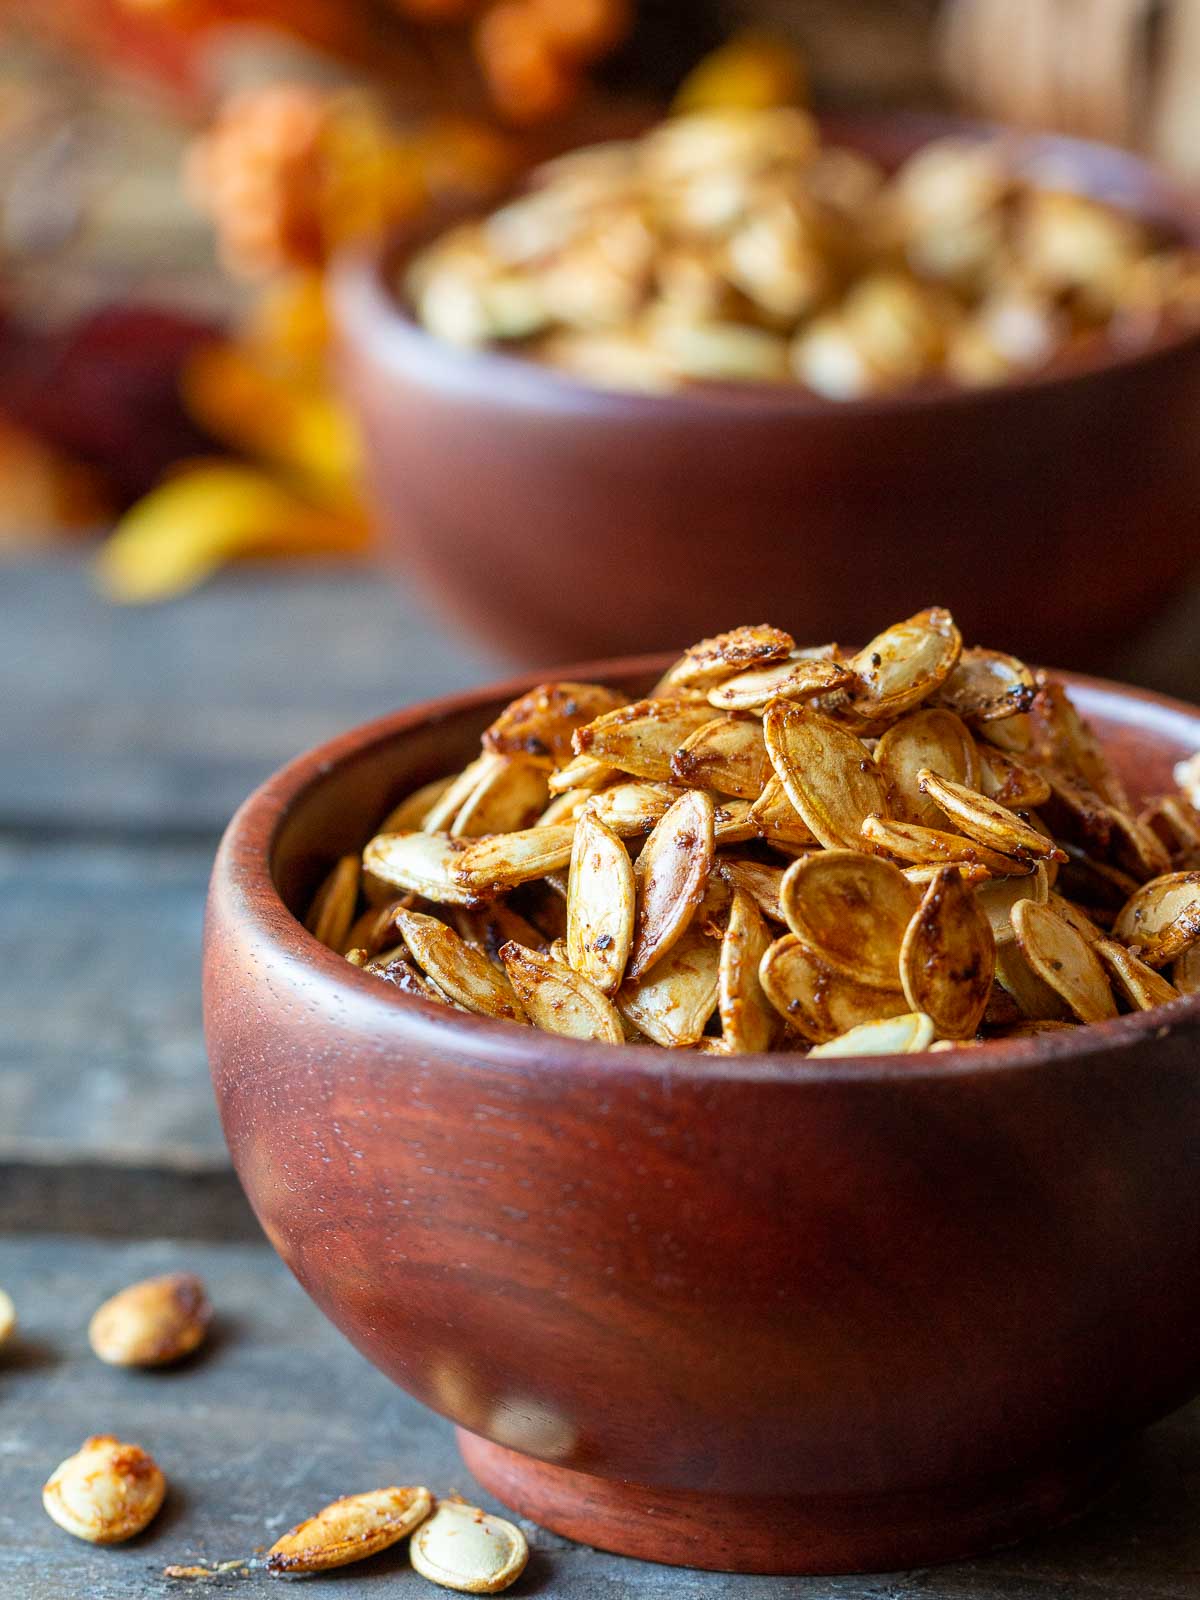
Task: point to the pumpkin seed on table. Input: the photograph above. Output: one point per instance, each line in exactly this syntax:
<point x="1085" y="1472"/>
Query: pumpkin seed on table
<point x="558" y="999"/>
<point x="852" y="911"/>
<point x="601" y="905"/>
<point x="350" y="1529"/>
<point x="464" y="1548"/>
<point x="106" y="1492"/>
<point x="152" y="1323"/>
<point x="672" y="876"/>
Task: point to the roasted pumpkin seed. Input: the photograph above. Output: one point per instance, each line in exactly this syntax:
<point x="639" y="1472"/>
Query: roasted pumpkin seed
<point x="713" y="660"/>
<point x="826" y="771"/>
<point x="800" y="677"/>
<point x="106" y="1492"/>
<point x="986" y="821"/>
<point x="1064" y="960"/>
<point x="727" y="754"/>
<point x="948" y="957"/>
<point x="641" y="738"/>
<point x="895" y="1036"/>
<point x="151" y="1323"/>
<point x="1141" y="985"/>
<point x="930" y="738"/>
<point x="988" y="685"/>
<point x="673" y="1002"/>
<point x="919" y="846"/>
<point x="905" y="664"/>
<point x="461" y="1547"/>
<point x="542" y="722"/>
<point x="558" y="999"/>
<point x="747" y="1020"/>
<point x="332" y="910"/>
<point x="1162" y="919"/>
<point x="350" y="1529"/>
<point x="457" y="969"/>
<point x="817" y="1001"/>
<point x="852" y="911"/>
<point x="601" y="905"/>
<point x="672" y="873"/>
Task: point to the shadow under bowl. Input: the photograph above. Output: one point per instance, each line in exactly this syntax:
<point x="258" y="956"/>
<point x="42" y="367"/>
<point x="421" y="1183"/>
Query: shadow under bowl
<point x="1058" y="512"/>
<point x="748" y="1313"/>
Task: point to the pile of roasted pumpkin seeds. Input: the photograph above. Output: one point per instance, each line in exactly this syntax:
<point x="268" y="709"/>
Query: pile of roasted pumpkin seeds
<point x="732" y="246"/>
<point x="914" y="846"/>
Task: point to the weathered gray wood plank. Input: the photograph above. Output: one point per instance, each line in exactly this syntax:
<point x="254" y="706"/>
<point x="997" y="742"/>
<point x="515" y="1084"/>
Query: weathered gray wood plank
<point x="101" y="1053"/>
<point x="163" y="718"/>
<point x="281" y="1415"/>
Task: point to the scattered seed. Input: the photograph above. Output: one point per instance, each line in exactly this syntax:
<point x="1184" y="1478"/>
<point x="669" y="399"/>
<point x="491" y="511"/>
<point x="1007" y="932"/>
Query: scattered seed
<point x="350" y="1529"/>
<point x="464" y="1548"/>
<point x="152" y="1323"/>
<point x="106" y="1492"/>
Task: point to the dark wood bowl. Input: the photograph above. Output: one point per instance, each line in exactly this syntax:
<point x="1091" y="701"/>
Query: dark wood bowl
<point x="1056" y="513"/>
<point x="747" y="1313"/>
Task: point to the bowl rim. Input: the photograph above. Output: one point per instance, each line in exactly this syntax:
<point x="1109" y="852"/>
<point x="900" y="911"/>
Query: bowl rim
<point x="374" y="321"/>
<point x="246" y="856"/>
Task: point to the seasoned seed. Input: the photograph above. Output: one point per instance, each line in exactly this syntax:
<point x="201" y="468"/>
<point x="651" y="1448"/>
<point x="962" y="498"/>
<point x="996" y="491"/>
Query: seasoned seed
<point x="633" y="808"/>
<point x="930" y="738"/>
<point x="800" y="677"/>
<point x="910" y="842"/>
<point x="712" y="660"/>
<point x="727" y="754"/>
<point x="998" y="897"/>
<point x="747" y="1019"/>
<point x="492" y="866"/>
<point x="464" y="1548"/>
<point x="948" y="957"/>
<point x="1162" y="919"/>
<point x="988" y="685"/>
<point x="777" y="819"/>
<point x="151" y="1323"/>
<point x="817" y="1001"/>
<point x="586" y="773"/>
<point x="458" y="791"/>
<point x="826" y="771"/>
<point x="641" y="739"/>
<point x="601" y="905"/>
<point x="1186" y="971"/>
<point x="895" y="1036"/>
<point x="905" y="664"/>
<point x="986" y="821"/>
<point x="350" y="1529"/>
<point x="542" y="722"/>
<point x="411" y="812"/>
<point x="558" y="999"/>
<point x="1141" y="985"/>
<point x="852" y="911"/>
<point x="673" y="1002"/>
<point x="425" y="863"/>
<point x="1063" y="737"/>
<point x="106" y="1492"/>
<point x="396" y="967"/>
<point x="456" y="969"/>
<point x="1034" y="998"/>
<point x="1064" y="960"/>
<point x="672" y="871"/>
<point x="510" y="796"/>
<point x="759" y="880"/>
<point x="1002" y="777"/>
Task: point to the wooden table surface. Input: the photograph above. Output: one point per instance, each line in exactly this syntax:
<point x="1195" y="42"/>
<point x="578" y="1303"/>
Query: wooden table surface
<point x="126" y="740"/>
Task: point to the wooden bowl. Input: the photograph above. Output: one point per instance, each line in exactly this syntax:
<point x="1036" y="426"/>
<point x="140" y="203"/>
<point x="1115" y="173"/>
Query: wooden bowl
<point x="749" y="1314"/>
<point x="1057" y="512"/>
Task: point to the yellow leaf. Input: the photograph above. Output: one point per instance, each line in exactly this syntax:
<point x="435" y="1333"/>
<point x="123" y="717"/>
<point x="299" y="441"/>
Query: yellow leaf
<point x="208" y="513"/>
<point x="751" y="72"/>
<point x="233" y="392"/>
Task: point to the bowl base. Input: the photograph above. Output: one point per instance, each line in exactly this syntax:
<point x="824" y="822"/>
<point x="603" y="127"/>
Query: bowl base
<point x="808" y="1536"/>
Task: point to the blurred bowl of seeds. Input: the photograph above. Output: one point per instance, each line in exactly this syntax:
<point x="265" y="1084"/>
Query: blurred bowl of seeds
<point x="765" y="1312"/>
<point x="988" y="401"/>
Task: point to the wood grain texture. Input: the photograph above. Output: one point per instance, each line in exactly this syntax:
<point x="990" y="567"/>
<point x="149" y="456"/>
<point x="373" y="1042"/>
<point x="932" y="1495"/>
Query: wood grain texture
<point x="280" y="1415"/>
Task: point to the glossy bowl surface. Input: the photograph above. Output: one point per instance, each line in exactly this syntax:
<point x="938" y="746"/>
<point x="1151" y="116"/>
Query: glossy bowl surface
<point x="747" y="1313"/>
<point x="552" y="519"/>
